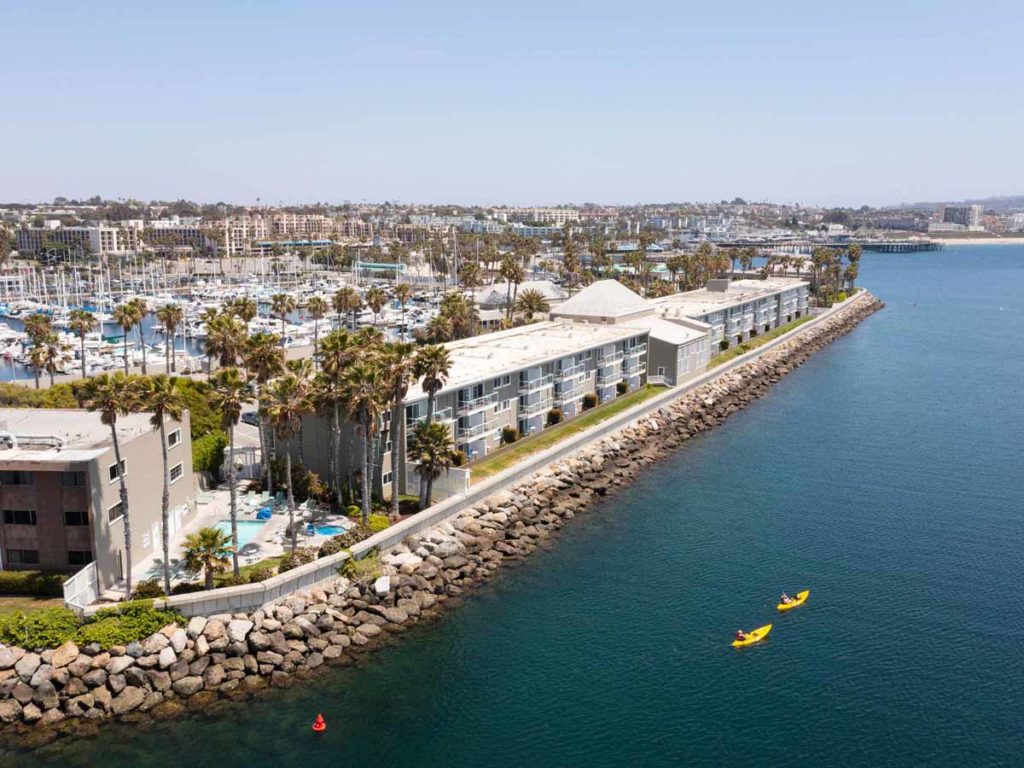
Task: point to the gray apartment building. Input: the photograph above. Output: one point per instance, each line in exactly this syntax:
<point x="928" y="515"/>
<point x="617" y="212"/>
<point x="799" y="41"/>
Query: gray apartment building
<point x="60" y="506"/>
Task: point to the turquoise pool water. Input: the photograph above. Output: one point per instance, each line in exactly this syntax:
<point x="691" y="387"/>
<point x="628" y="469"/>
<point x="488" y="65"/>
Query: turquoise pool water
<point x="247" y="529"/>
<point x="329" y="530"/>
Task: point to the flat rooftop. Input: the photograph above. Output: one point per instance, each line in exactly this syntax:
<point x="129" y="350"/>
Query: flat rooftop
<point x="702" y="300"/>
<point x="83" y="434"/>
<point x="494" y="354"/>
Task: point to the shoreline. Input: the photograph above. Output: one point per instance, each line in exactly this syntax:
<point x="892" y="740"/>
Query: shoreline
<point x="980" y="240"/>
<point x="213" y="661"/>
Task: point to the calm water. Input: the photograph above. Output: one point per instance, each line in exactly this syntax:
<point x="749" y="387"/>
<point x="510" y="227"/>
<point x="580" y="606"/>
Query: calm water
<point x="885" y="475"/>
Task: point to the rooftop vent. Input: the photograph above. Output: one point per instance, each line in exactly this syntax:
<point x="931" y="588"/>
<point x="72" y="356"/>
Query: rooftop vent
<point x="719" y="285"/>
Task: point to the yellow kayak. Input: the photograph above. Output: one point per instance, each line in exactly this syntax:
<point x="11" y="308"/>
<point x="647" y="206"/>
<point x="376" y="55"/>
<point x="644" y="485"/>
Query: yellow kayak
<point x="801" y="598"/>
<point x="754" y="636"/>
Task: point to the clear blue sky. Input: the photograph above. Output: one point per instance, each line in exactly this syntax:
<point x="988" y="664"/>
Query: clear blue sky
<point x="851" y="103"/>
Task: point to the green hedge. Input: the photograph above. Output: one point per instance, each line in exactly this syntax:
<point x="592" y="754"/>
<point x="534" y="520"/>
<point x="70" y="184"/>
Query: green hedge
<point x="22" y="396"/>
<point x="51" y="627"/>
<point x="208" y="452"/>
<point x="32" y="583"/>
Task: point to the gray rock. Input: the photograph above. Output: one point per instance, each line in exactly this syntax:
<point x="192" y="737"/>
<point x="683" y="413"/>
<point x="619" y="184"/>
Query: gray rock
<point x="23" y="692"/>
<point x="214" y="629"/>
<point x="213" y="676"/>
<point x="51" y="717"/>
<point x="10" y="711"/>
<point x="46" y="695"/>
<point x="179" y="669"/>
<point x="95" y="677"/>
<point x="196" y="625"/>
<point x="127" y="700"/>
<point x="64" y="655"/>
<point x="160" y="681"/>
<point x="134" y="649"/>
<point x="188" y="685"/>
<point x="80" y="666"/>
<point x="9" y="657"/>
<point x="167" y="657"/>
<point x="202" y="646"/>
<point x="135" y="676"/>
<point x="259" y="641"/>
<point x="31" y="713"/>
<point x="116" y="683"/>
<point x="238" y="629"/>
<point x="179" y="640"/>
<point x="27" y="665"/>
<point x="44" y="672"/>
<point x="155" y="643"/>
<point x="119" y="664"/>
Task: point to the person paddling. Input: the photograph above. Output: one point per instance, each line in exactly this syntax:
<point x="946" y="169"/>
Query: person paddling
<point x="741" y="635"/>
<point x="786" y="599"/>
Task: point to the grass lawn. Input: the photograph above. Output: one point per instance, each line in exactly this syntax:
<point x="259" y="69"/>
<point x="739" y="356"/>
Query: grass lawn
<point x="245" y="570"/>
<point x="757" y="341"/>
<point x="505" y="457"/>
<point x="12" y="604"/>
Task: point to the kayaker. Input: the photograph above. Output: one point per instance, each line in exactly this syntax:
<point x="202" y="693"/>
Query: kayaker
<point x="786" y="599"/>
<point x="741" y="635"/>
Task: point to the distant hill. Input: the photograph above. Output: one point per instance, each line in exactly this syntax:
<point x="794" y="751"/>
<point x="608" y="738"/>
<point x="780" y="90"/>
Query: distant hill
<point x="997" y="204"/>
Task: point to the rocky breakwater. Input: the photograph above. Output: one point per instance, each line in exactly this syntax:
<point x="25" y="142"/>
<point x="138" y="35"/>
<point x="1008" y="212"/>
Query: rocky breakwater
<point x="205" y="663"/>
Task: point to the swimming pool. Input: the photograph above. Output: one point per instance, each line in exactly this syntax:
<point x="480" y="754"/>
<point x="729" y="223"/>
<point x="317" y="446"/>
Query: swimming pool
<point x="329" y="530"/>
<point x="247" y="530"/>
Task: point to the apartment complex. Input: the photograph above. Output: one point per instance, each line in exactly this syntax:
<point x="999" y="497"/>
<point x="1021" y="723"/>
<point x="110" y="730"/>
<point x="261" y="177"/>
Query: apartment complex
<point x="94" y="239"/>
<point x="60" y="506"/>
<point x="967" y="216"/>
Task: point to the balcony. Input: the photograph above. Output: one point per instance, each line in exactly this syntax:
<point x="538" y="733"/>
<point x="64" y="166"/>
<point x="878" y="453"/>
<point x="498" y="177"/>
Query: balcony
<point x="607" y="379"/>
<point x="610" y="359"/>
<point x="443" y="415"/>
<point x="637" y="351"/>
<point x="535" y="385"/>
<point x="476" y="404"/>
<point x="568" y="373"/>
<point x="482" y="429"/>
<point x="534" y="409"/>
<point x="567" y="392"/>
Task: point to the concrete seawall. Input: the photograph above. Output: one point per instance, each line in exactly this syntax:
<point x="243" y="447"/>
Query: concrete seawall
<point x="232" y="656"/>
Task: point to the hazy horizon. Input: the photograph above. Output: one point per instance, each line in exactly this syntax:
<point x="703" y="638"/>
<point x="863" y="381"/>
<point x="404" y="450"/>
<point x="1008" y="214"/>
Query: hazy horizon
<point x="454" y="103"/>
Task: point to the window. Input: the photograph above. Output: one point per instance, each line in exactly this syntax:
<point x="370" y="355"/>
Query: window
<point x="114" y="513"/>
<point x="112" y="470"/>
<point x="73" y="518"/>
<point x="23" y="556"/>
<point x="15" y="477"/>
<point x="386" y="478"/>
<point x="79" y="557"/>
<point x="72" y="479"/>
<point x="174" y="438"/>
<point x="19" y="517"/>
<point x="176" y="472"/>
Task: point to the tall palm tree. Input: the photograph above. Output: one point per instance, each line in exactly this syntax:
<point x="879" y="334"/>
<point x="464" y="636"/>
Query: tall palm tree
<point x="337" y="352"/>
<point x="530" y="303"/>
<point x="38" y="326"/>
<point x="124" y="316"/>
<point x="171" y="316"/>
<point x="281" y="304"/>
<point x="399" y="360"/>
<point x="160" y="394"/>
<point x="316" y="308"/>
<point x="433" y="453"/>
<point x="244" y="308"/>
<point x="286" y="400"/>
<point x="364" y="390"/>
<point x="228" y="397"/>
<point x="206" y="552"/>
<point x="264" y="359"/>
<point x="348" y="301"/>
<point x="225" y="339"/>
<point x="376" y="299"/>
<point x="432" y="366"/>
<point x="403" y="292"/>
<point x="141" y="310"/>
<point x="113" y="395"/>
<point x="81" y="322"/>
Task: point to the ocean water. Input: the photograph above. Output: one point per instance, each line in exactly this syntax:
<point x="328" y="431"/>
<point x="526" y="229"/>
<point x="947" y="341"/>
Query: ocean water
<point x="885" y="475"/>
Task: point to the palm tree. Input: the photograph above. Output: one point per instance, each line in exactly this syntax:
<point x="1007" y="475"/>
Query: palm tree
<point x="364" y="389"/>
<point x="337" y="352"/>
<point x="348" y="301"/>
<point x="244" y="308"/>
<point x="228" y="397"/>
<point x="531" y="302"/>
<point x="432" y="366"/>
<point x="403" y="292"/>
<point x="399" y="361"/>
<point x="281" y="304"/>
<point x="160" y="394"/>
<point x="141" y="310"/>
<point x="170" y="316"/>
<point x="206" y="552"/>
<point x="264" y="359"/>
<point x="47" y="354"/>
<point x="38" y="326"/>
<point x="113" y="395"/>
<point x="286" y="401"/>
<point x="433" y="453"/>
<point x="225" y="339"/>
<point x="316" y="307"/>
<point x="376" y="299"/>
<point x="124" y="316"/>
<point x="81" y="322"/>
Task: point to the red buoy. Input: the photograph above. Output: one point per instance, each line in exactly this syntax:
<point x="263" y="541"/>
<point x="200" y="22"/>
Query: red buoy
<point x="319" y="726"/>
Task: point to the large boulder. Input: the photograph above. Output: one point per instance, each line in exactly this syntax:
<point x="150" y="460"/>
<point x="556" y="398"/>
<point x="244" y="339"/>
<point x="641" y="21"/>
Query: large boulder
<point x="188" y="685"/>
<point x="238" y="629"/>
<point x="196" y="625"/>
<point x="64" y="655"/>
<point x="127" y="700"/>
<point x="27" y="665"/>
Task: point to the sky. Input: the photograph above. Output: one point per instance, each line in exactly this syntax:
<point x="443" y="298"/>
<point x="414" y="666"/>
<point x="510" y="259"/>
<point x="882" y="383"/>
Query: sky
<point x="514" y="103"/>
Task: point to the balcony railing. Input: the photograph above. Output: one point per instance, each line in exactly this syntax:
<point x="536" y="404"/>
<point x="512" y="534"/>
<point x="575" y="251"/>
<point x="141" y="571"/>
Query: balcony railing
<point x="610" y="359"/>
<point x="477" y="403"/>
<point x="568" y="373"/>
<point x="639" y="349"/>
<point x="443" y="415"/>
<point x="606" y="379"/>
<point x="533" y="409"/>
<point x="533" y="385"/>
<point x="476" y="430"/>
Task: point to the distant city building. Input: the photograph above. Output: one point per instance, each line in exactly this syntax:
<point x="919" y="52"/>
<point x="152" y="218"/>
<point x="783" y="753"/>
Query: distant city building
<point x="969" y="216"/>
<point x="105" y="240"/>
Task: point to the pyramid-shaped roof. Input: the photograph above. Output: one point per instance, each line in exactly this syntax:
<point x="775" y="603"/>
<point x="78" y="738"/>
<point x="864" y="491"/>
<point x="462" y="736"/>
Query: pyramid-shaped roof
<point x="603" y="301"/>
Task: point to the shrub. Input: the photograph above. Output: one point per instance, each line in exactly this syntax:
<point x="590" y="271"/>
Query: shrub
<point x="257" y="575"/>
<point x="19" y="396"/>
<point x="353" y="510"/>
<point x="459" y="458"/>
<point x="230" y="580"/>
<point x="589" y="401"/>
<point x="723" y="345"/>
<point x="344" y="541"/>
<point x="122" y="625"/>
<point x="554" y="416"/>
<point x="31" y="583"/>
<point x="378" y="523"/>
<point x="622" y="387"/>
<point x="408" y="506"/>
<point x="187" y="588"/>
<point x="148" y="590"/>
<point x="47" y="628"/>
<point x="204" y="420"/>
<point x="362" y="570"/>
<point x="208" y="452"/>
<point x="842" y="296"/>
<point x="509" y="435"/>
<point x="300" y="556"/>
